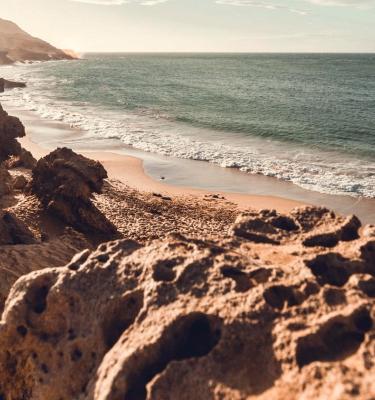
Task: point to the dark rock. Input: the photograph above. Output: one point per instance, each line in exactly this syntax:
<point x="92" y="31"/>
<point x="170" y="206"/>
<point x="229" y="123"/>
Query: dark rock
<point x="65" y="183"/>
<point x="11" y="128"/>
<point x="5" y="84"/>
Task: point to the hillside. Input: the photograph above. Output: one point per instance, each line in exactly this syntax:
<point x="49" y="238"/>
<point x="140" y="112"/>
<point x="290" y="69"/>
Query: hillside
<point x="18" y="45"/>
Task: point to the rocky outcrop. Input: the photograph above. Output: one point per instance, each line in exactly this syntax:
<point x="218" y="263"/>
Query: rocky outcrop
<point x="5" y="84"/>
<point x="12" y="128"/>
<point x="11" y="153"/>
<point x="17" y="45"/>
<point x="65" y="183"/>
<point x="229" y="318"/>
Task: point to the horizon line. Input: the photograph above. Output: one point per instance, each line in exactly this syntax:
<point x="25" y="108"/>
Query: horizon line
<point x="222" y="52"/>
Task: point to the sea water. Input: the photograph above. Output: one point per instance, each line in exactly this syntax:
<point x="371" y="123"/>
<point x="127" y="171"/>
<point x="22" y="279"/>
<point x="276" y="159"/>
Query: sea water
<point x="304" y="118"/>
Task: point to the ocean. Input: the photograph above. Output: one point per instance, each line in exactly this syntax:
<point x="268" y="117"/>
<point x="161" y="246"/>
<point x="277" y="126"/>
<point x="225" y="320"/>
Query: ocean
<point x="304" y="118"/>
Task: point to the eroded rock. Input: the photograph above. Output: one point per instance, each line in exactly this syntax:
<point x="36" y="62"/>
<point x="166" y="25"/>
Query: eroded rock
<point x="183" y="318"/>
<point x="65" y="183"/>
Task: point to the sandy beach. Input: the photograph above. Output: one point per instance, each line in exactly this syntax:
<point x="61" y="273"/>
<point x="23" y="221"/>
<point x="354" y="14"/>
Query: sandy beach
<point x="130" y="171"/>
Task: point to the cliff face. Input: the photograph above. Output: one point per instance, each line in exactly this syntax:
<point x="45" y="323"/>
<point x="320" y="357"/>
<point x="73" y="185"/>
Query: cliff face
<point x="17" y="45"/>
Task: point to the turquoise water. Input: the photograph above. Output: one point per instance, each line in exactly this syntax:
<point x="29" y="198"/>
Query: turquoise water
<point x="306" y="118"/>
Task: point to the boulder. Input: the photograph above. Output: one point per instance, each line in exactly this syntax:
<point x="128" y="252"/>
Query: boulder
<point x="65" y="183"/>
<point x="181" y="318"/>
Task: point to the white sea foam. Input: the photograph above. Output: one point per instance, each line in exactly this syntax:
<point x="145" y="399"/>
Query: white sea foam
<point x="325" y="172"/>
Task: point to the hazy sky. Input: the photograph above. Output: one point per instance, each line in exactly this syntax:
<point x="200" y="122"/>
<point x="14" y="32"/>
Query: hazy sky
<point x="198" y="25"/>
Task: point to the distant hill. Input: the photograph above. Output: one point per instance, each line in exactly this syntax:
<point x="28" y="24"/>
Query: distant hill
<point x="18" y="45"/>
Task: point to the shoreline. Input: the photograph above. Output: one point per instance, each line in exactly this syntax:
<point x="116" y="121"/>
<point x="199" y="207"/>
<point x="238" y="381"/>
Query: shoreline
<point x="141" y="171"/>
<point x="129" y="170"/>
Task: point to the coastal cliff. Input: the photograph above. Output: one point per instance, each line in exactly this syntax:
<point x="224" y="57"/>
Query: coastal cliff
<point x="193" y="298"/>
<point x="18" y="45"/>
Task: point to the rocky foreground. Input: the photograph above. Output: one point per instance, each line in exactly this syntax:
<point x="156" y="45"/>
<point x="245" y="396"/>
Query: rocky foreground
<point x="174" y="298"/>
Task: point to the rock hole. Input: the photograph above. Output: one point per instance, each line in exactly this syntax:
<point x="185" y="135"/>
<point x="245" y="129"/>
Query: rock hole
<point x="191" y="336"/>
<point x="163" y="269"/>
<point x="121" y="316"/>
<point x="71" y="334"/>
<point x="330" y="268"/>
<point x="284" y="223"/>
<point x="367" y="287"/>
<point x="242" y="280"/>
<point x="278" y="296"/>
<point x="102" y="258"/>
<point x="22" y="330"/>
<point x="363" y="321"/>
<point x="44" y="368"/>
<point x="38" y="299"/>
<point x="334" y="296"/>
<point x="322" y="240"/>
<point x="368" y="254"/>
<point x="336" y="340"/>
<point x="76" y="355"/>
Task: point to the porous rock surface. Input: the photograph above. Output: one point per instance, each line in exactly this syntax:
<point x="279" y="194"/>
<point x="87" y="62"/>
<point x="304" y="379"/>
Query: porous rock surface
<point x="228" y="318"/>
<point x="65" y="183"/>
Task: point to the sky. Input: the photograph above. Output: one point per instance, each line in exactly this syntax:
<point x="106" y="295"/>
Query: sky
<point x="198" y="25"/>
